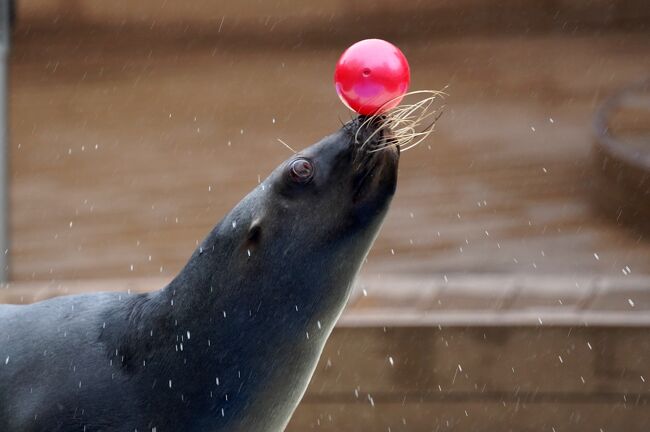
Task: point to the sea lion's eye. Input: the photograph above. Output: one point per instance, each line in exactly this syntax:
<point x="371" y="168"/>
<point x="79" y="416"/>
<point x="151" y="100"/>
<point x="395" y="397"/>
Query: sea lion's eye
<point x="301" y="170"/>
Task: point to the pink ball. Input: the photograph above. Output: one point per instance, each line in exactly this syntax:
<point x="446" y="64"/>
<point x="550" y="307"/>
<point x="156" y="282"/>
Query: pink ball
<point x="372" y="76"/>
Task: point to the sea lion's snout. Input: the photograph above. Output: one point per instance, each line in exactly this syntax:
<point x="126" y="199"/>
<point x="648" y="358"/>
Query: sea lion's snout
<point x="375" y="160"/>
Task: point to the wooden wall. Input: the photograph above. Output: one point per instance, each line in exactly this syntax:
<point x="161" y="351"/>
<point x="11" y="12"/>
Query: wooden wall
<point x="479" y="378"/>
<point x="342" y="16"/>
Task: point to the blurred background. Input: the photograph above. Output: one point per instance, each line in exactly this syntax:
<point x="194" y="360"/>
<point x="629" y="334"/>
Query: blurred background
<point x="135" y="126"/>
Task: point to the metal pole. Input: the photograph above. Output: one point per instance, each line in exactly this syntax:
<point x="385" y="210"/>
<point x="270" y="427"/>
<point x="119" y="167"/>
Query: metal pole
<point x="5" y="28"/>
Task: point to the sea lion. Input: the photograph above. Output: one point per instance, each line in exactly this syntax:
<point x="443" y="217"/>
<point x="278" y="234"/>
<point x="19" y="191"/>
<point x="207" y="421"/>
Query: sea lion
<point x="231" y="343"/>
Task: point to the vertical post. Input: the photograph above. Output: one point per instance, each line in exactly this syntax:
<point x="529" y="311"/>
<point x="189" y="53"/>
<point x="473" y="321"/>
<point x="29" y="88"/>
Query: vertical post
<point x="5" y="29"/>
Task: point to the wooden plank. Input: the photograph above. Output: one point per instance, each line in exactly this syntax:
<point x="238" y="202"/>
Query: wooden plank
<point x="30" y="292"/>
<point x="486" y="415"/>
<point x="352" y="15"/>
<point x="526" y="360"/>
<point x="480" y="379"/>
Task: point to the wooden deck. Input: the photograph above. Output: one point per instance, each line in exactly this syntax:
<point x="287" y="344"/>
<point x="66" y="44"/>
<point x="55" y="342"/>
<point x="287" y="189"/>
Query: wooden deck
<point x="126" y="149"/>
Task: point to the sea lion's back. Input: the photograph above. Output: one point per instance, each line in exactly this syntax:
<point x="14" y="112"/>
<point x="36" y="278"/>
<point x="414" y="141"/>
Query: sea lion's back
<point x="50" y="354"/>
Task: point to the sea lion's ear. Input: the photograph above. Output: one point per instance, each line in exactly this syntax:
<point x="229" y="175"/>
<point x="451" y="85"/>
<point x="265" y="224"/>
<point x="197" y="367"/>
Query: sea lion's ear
<point x="254" y="233"/>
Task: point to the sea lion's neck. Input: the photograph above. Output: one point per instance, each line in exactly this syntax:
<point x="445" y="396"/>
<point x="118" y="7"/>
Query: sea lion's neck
<point x="227" y="273"/>
<point x="250" y="321"/>
<point x="223" y="279"/>
<point x="231" y="325"/>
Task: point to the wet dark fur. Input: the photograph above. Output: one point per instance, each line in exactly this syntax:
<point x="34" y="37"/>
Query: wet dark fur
<point x="231" y="343"/>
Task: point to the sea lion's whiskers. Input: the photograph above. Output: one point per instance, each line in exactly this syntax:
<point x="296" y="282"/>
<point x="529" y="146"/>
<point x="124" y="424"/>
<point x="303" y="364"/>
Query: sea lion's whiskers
<point x="372" y="135"/>
<point x="410" y="117"/>
<point x="408" y="141"/>
<point x="286" y="145"/>
<point x="382" y="125"/>
<point x="423" y="135"/>
<point x="403" y="122"/>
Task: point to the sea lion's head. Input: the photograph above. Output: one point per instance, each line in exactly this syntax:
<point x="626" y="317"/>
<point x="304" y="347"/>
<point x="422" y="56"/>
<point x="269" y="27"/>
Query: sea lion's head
<point x="301" y="235"/>
<point x="339" y="187"/>
<point x="298" y="239"/>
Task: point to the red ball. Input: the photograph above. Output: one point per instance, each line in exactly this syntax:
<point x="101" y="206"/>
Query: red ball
<point x="372" y="76"/>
